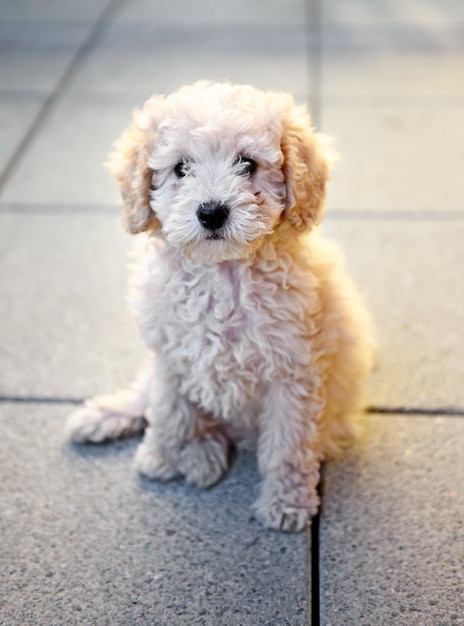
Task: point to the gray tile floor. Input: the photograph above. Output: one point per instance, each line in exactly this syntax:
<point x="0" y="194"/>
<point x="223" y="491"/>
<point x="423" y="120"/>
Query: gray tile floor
<point x="82" y="539"/>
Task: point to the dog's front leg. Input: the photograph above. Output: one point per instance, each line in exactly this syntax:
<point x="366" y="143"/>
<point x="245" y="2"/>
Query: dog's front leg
<point x="180" y="440"/>
<point x="288" y="457"/>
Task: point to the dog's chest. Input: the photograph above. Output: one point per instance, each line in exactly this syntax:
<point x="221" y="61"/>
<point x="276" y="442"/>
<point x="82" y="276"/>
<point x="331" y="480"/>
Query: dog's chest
<point x="218" y="329"/>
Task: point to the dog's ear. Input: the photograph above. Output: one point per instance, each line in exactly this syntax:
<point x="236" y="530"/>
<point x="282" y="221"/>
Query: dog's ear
<point x="129" y="165"/>
<point x="307" y="161"/>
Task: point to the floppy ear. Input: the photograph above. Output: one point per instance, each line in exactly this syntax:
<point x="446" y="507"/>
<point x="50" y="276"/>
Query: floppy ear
<point x="307" y="161"/>
<point x="129" y="165"/>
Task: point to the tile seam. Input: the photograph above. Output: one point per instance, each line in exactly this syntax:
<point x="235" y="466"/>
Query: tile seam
<point x="313" y="15"/>
<point x="315" y="590"/>
<point x="17" y="399"/>
<point x="371" y="410"/>
<point x="416" y="411"/>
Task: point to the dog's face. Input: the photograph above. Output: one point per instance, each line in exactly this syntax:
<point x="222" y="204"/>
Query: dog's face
<point x="217" y="185"/>
<point x="217" y="168"/>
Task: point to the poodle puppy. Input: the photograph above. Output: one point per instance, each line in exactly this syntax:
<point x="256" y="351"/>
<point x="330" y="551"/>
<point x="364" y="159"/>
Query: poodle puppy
<point x="255" y="329"/>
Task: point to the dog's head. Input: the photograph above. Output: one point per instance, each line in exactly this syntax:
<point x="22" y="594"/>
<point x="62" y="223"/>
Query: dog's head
<point x="216" y="168"/>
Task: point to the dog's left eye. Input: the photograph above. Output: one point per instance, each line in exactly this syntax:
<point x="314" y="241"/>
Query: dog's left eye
<point x="247" y="166"/>
<point x="181" y="169"/>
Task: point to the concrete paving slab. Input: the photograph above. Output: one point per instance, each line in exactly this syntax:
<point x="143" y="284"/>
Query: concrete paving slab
<point x="391" y="529"/>
<point x="26" y="11"/>
<point x="33" y="58"/>
<point x="410" y="272"/>
<point x="142" y="58"/>
<point x="15" y="119"/>
<point x="66" y="329"/>
<point x="398" y="60"/>
<point x="396" y="155"/>
<point x="180" y="12"/>
<point x="64" y="164"/>
<point x="84" y="541"/>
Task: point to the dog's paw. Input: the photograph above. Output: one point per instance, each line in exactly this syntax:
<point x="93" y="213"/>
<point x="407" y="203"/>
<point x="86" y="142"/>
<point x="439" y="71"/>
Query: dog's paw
<point x="277" y="512"/>
<point x="203" y="462"/>
<point x="151" y="464"/>
<point x="93" y="424"/>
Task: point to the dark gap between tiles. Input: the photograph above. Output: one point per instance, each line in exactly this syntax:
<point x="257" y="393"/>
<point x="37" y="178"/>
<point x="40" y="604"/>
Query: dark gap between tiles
<point x="409" y="411"/>
<point x="39" y="400"/>
<point x="29" y="96"/>
<point x="134" y="98"/>
<point x="374" y="410"/>
<point x="314" y="564"/>
<point x="81" y="55"/>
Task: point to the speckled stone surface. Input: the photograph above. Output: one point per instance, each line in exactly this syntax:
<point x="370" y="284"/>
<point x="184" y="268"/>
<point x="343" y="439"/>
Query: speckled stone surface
<point x="66" y="326"/>
<point x="82" y="539"/>
<point x="85" y="541"/>
<point x="392" y="526"/>
<point x="410" y="273"/>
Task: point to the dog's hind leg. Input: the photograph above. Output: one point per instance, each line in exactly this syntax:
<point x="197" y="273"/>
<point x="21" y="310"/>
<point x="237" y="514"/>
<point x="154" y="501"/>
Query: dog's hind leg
<point x="180" y="440"/>
<point x="112" y="416"/>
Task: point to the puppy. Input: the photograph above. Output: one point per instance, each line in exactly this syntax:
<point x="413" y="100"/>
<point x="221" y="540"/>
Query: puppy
<point x="254" y="327"/>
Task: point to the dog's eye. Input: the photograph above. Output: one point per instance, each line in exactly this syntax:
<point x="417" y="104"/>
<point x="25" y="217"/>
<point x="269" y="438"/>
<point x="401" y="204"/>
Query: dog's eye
<point x="247" y="166"/>
<point x="181" y="169"/>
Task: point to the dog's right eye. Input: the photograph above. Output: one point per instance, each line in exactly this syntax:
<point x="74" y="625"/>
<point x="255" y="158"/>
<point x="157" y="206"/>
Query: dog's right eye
<point x="181" y="169"/>
<point x="247" y="166"/>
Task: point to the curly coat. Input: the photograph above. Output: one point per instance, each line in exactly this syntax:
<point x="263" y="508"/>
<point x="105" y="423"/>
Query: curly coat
<point x="254" y="326"/>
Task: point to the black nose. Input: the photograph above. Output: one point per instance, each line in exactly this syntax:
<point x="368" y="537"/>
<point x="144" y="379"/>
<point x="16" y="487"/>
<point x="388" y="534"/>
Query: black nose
<point x="212" y="215"/>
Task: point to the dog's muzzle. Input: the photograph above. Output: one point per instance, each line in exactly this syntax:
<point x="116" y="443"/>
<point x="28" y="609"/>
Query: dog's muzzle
<point x="213" y="215"/>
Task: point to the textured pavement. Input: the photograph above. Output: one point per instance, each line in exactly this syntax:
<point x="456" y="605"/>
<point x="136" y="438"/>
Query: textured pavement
<point x="83" y="540"/>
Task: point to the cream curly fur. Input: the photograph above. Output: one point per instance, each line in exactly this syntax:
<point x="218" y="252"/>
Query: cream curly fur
<point x="255" y="327"/>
